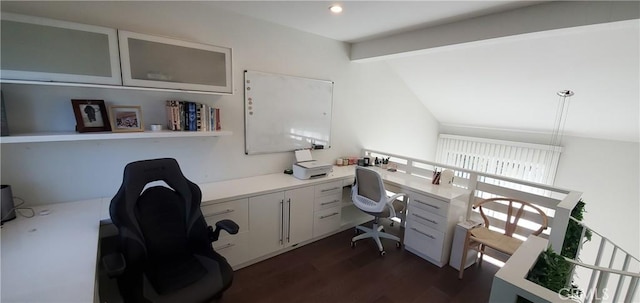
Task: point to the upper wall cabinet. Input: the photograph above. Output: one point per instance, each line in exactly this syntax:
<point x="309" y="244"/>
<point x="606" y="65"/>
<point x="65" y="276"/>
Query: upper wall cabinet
<point x="38" y="49"/>
<point x="150" y="61"/>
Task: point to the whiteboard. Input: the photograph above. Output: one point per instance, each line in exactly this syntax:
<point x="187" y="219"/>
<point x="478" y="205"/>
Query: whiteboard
<point x="285" y="113"/>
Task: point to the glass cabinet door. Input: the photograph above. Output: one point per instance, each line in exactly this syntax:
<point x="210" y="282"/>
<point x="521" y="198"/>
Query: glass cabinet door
<point x="150" y="61"/>
<point x="40" y="49"/>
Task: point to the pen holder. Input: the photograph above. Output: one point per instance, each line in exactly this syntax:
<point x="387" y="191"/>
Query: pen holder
<point x="436" y="178"/>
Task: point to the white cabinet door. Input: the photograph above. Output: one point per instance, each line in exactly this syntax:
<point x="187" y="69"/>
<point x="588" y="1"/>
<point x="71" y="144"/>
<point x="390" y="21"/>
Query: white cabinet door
<point x="280" y="219"/>
<point x="39" y="49"/>
<point x="149" y="61"/>
<point x="299" y="215"/>
<point x="266" y="224"/>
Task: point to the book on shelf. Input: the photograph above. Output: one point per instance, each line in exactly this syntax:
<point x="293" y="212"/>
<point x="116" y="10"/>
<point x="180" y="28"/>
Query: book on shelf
<point x="218" y="123"/>
<point x="214" y="119"/>
<point x="192" y="116"/>
<point x="201" y="117"/>
<point x="173" y="111"/>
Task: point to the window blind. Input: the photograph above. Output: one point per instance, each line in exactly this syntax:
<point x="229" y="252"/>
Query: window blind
<point x="525" y="161"/>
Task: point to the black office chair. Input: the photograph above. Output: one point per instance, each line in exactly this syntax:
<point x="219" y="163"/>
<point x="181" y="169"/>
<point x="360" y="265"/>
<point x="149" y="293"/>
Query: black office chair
<point x="165" y="252"/>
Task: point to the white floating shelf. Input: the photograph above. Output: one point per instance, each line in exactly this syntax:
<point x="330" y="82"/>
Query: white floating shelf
<point x="73" y="136"/>
<point x="10" y="81"/>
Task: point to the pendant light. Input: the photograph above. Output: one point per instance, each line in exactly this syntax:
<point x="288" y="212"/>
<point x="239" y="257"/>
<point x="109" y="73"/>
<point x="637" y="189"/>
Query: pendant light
<point x="555" y="146"/>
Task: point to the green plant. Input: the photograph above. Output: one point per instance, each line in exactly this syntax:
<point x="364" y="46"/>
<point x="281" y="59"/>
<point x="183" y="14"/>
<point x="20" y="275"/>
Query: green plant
<point x="574" y="232"/>
<point x="552" y="271"/>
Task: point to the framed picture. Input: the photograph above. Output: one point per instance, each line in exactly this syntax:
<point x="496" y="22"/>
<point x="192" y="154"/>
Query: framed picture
<point x="91" y="116"/>
<point x="126" y="118"/>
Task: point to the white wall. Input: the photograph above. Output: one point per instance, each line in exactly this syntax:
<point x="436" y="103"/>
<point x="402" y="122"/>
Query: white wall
<point x="608" y="174"/>
<point x="391" y="121"/>
<point x="371" y="107"/>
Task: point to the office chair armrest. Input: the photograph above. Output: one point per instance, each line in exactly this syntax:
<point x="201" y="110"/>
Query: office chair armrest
<point x="114" y="264"/>
<point x="396" y="196"/>
<point x="226" y="224"/>
<point x="392" y="210"/>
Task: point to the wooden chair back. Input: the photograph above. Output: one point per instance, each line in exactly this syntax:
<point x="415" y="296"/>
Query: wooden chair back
<point x="514" y="213"/>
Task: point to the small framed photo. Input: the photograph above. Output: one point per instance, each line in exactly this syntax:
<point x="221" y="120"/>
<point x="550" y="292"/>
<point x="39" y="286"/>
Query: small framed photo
<point x="126" y="118"/>
<point x="91" y="116"/>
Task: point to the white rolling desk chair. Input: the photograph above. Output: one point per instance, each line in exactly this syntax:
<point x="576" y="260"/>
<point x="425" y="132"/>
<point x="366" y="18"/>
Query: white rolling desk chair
<point x="370" y="196"/>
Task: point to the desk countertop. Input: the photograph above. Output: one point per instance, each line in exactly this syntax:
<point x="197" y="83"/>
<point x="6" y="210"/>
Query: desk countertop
<point x="245" y="187"/>
<point x="420" y="185"/>
<point x="36" y="253"/>
<point x="252" y="186"/>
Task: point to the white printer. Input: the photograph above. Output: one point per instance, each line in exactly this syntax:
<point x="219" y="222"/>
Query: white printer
<point x="307" y="168"/>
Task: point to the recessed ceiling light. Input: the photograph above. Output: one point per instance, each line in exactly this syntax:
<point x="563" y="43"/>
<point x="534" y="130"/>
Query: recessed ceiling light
<point x="336" y="9"/>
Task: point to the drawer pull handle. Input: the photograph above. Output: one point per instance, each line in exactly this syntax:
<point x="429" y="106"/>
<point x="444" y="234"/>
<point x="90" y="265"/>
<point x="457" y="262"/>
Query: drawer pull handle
<point x="330" y="202"/>
<point x="426" y="219"/>
<point x="228" y="245"/>
<point x="426" y="234"/>
<point x="226" y="211"/>
<point x="427" y="204"/>
<point x="329" y="189"/>
<point x="327" y="216"/>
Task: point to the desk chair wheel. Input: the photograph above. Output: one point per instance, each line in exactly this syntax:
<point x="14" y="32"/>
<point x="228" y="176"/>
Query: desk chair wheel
<point x="353" y="244"/>
<point x="398" y="245"/>
<point x="382" y="253"/>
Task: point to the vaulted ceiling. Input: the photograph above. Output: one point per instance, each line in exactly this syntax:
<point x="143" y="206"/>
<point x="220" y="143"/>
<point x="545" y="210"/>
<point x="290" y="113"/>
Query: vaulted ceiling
<point x="505" y="81"/>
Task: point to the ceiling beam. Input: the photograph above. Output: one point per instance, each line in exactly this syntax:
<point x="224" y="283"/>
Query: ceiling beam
<point x="531" y="19"/>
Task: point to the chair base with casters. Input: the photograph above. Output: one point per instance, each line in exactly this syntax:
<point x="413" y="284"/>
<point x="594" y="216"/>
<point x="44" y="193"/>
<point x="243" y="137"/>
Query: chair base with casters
<point x="375" y="233"/>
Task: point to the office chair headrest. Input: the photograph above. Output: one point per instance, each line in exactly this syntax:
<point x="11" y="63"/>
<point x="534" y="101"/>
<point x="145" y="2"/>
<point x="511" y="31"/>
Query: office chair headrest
<point x="136" y="176"/>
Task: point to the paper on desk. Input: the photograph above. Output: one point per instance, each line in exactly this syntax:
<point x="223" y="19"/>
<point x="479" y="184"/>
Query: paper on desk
<point x="469" y="224"/>
<point x="303" y="155"/>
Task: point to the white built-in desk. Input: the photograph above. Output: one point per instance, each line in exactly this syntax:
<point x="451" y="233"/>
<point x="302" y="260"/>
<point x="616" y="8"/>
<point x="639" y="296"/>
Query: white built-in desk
<point x="432" y="213"/>
<point x="53" y="258"/>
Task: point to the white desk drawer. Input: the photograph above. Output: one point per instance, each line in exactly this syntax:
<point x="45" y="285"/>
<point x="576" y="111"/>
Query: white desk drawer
<point x="427" y="218"/>
<point x="325" y="202"/>
<point x="234" y="248"/>
<point x="429" y="204"/>
<point x="330" y="188"/>
<point x="424" y="239"/>
<point x="236" y="210"/>
<point x="326" y="221"/>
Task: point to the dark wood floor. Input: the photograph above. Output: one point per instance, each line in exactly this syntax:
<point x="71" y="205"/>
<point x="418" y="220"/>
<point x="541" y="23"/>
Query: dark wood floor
<point x="329" y="270"/>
